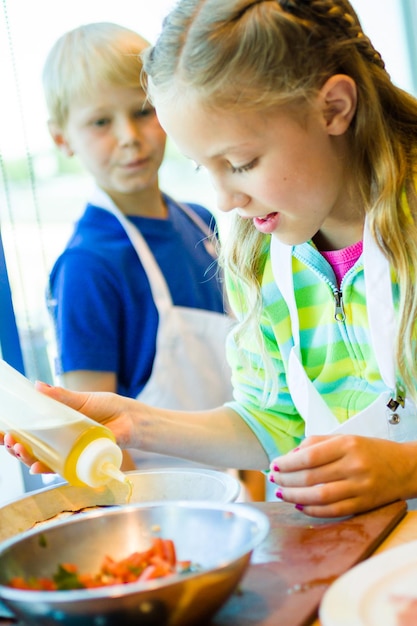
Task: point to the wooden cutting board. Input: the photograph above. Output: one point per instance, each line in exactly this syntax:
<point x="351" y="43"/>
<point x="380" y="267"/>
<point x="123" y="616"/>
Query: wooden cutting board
<point x="300" y="558"/>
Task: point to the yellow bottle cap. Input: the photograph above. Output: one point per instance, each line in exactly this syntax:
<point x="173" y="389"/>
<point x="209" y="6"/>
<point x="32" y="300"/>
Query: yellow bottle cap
<point x="99" y="462"/>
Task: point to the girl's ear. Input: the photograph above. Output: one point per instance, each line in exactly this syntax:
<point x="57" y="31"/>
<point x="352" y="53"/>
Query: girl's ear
<point x="59" y="139"/>
<point x="338" y="100"/>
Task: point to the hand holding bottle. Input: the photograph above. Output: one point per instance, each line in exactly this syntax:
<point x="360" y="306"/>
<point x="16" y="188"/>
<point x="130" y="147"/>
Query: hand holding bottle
<point x="72" y="445"/>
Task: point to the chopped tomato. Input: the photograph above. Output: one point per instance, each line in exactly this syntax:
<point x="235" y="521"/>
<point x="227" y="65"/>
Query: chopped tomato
<point x="157" y="562"/>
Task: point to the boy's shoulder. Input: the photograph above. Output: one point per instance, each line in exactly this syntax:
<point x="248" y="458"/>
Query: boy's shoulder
<point x="94" y="229"/>
<point x="203" y="212"/>
<point x="198" y="209"/>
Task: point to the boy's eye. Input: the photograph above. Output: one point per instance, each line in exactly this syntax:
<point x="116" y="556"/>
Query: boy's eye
<point x="145" y="112"/>
<point x="101" y="122"/>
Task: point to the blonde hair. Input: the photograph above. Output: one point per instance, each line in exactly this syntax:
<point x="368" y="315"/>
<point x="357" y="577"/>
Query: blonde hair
<point x="254" y="54"/>
<point x="87" y="56"/>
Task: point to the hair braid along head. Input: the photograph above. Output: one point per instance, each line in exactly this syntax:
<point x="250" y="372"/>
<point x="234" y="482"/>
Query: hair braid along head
<point x="253" y="53"/>
<point x="337" y="17"/>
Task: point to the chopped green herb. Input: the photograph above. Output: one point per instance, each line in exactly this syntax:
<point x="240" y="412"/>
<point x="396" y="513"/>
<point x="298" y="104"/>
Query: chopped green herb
<point x="65" y="579"/>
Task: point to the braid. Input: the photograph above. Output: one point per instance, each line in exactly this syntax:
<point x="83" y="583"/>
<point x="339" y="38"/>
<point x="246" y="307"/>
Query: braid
<point x="338" y="18"/>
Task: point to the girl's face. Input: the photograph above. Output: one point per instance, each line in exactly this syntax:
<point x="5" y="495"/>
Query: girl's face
<point x="286" y="173"/>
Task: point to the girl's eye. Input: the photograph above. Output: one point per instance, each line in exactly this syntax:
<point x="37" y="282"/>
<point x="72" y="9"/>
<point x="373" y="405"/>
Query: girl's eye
<point x="243" y="168"/>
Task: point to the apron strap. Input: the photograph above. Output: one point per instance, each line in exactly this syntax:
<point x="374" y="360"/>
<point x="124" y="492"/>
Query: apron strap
<point x="159" y="288"/>
<point x="281" y="260"/>
<point x="380" y="305"/>
<point x="201" y="224"/>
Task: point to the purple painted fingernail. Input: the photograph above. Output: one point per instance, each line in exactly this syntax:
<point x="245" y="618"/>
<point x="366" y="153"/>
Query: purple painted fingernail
<point x="271" y="478"/>
<point x="17" y="454"/>
<point x="295" y="449"/>
<point x="275" y="468"/>
<point x="8" y="446"/>
<point x="299" y="507"/>
<point x="278" y="494"/>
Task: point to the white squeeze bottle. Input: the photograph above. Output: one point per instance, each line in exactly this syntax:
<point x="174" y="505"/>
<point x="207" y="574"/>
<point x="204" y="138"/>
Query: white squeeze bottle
<point x="76" y="447"/>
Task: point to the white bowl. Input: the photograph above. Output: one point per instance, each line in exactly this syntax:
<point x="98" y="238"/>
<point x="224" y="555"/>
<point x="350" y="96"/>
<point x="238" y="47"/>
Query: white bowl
<point x="163" y="484"/>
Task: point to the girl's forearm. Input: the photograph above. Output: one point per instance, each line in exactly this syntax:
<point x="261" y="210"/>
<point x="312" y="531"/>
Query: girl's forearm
<point x="217" y="437"/>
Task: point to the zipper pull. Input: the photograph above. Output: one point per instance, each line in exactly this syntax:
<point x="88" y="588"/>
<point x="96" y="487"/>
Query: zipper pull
<point x="393" y="404"/>
<point x="399" y="399"/>
<point x="339" y="313"/>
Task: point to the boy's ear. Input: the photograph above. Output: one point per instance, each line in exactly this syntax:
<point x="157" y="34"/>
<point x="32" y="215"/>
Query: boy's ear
<point x="59" y="139"/>
<point x="338" y="100"/>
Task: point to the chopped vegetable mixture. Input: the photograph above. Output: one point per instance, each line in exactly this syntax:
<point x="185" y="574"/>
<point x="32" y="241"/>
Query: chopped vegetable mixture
<point x="158" y="561"/>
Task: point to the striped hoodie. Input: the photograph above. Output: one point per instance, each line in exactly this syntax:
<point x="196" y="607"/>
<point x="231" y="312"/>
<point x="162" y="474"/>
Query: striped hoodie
<point x="337" y="355"/>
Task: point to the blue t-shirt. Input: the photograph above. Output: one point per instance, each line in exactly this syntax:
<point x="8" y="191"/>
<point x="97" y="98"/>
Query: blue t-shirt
<point x="100" y="298"/>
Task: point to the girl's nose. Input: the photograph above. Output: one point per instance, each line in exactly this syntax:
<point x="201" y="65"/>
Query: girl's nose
<point x="227" y="201"/>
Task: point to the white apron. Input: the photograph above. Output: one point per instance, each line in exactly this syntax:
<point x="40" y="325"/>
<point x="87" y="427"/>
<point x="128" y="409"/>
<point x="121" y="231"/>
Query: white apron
<point x="397" y="423"/>
<point x="190" y="371"/>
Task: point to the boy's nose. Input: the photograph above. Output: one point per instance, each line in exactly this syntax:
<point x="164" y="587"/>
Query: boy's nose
<point x="128" y="133"/>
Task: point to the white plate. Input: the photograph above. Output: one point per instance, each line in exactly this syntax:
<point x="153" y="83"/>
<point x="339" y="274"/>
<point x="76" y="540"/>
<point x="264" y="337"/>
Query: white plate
<point x="377" y="592"/>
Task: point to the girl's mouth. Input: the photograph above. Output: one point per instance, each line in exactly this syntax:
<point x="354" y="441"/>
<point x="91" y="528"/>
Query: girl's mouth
<point x="266" y="224"/>
<point x="267" y="217"/>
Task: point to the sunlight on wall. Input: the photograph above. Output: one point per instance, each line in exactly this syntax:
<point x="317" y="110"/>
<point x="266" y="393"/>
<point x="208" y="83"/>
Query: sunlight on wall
<point x="32" y="28"/>
<point x="384" y="24"/>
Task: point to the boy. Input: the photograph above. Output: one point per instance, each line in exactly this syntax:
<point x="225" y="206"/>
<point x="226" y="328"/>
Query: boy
<point x="135" y="296"/>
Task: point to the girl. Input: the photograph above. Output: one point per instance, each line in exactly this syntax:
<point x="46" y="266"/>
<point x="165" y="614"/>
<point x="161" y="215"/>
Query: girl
<point x="306" y="139"/>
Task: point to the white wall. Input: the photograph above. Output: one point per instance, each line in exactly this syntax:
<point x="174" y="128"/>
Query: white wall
<point x="382" y="21"/>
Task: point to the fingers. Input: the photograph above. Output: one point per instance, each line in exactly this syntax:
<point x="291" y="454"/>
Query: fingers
<point x="326" y="498"/>
<point x="74" y="399"/>
<point x="22" y="454"/>
<point x="314" y="452"/>
<point x="100" y="406"/>
<point x="344" y="508"/>
<point x="118" y="413"/>
<point x="40" y="468"/>
<point x="340" y="475"/>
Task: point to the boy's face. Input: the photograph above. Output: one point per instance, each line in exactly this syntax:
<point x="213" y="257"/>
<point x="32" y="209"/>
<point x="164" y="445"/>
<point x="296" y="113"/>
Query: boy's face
<point x="117" y="137"/>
